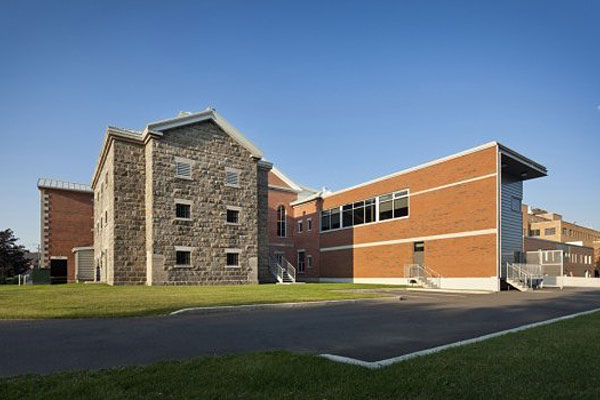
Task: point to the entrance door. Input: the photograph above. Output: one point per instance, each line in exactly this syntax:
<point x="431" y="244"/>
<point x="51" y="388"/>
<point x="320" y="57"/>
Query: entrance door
<point x="419" y="253"/>
<point x="58" y="271"/>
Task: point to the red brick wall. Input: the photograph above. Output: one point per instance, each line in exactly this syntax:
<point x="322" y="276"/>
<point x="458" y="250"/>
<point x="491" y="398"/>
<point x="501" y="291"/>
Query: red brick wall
<point x="277" y="198"/>
<point x="309" y="241"/>
<point x="466" y="207"/>
<point x="70" y="224"/>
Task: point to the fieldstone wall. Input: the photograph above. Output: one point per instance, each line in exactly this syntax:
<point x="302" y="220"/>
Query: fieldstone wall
<point x="129" y="213"/>
<point x="211" y="150"/>
<point x="264" y="274"/>
<point x="104" y="237"/>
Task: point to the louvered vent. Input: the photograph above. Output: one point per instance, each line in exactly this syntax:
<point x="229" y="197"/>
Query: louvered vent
<point x="183" y="169"/>
<point x="232" y="178"/>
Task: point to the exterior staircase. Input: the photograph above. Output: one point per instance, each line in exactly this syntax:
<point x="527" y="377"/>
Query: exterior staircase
<point x="423" y="275"/>
<point x="524" y="277"/>
<point x="282" y="270"/>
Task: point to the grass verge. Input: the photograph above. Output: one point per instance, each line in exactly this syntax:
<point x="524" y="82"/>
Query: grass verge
<point x="86" y="301"/>
<point x="561" y="360"/>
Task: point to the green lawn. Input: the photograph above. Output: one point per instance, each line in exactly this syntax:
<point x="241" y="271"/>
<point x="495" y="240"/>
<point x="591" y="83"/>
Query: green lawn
<point x="83" y="301"/>
<point x="554" y="361"/>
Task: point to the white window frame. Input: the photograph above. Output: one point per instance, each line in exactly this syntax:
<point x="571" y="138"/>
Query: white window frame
<point x="299" y="226"/>
<point x="184" y="248"/>
<point x="233" y="208"/>
<point x="236" y="171"/>
<point x="308" y="224"/>
<point x="309" y="261"/>
<point x="233" y="251"/>
<point x="186" y="202"/>
<point x="285" y="227"/>
<point x="181" y="160"/>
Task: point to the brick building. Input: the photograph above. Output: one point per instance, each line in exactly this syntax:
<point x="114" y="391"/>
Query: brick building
<point x="66" y="211"/>
<point x="190" y="200"/>
<point x="182" y="202"/>
<point x="551" y="226"/>
<point x="577" y="260"/>
<point x="459" y="216"/>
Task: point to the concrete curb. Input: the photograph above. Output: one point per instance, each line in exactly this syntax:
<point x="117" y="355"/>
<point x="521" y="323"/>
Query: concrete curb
<point x="251" y="307"/>
<point x="454" y="291"/>
<point x="405" y="357"/>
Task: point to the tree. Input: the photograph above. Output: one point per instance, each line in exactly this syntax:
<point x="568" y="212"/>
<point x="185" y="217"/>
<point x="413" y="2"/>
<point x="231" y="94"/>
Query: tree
<point x="12" y="255"/>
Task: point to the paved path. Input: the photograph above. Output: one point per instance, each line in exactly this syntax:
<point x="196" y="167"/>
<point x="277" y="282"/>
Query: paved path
<point x="367" y="331"/>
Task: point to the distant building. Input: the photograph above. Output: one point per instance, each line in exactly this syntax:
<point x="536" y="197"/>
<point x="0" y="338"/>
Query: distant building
<point x="577" y="260"/>
<point x="538" y="223"/>
<point x="67" y="211"/>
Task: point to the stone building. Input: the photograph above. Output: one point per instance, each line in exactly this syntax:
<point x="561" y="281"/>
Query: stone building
<point x="182" y="202"/>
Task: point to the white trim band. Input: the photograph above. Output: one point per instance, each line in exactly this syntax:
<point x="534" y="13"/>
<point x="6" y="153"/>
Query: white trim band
<point x="413" y="239"/>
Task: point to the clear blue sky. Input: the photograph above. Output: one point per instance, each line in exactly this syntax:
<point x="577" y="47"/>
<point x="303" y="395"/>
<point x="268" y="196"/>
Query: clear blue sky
<point x="334" y="93"/>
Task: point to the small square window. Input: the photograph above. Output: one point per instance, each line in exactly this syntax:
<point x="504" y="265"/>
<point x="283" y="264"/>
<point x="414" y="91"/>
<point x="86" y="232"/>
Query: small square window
<point x="232" y="177"/>
<point x="183" y="258"/>
<point x="233" y="259"/>
<point x="516" y="204"/>
<point x="183" y="211"/>
<point x="233" y="216"/>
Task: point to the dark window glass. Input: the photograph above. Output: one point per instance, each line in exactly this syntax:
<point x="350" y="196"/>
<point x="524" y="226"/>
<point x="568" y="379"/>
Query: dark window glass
<point x="385" y="209"/>
<point x="183" y="257"/>
<point x="233" y="259"/>
<point x="281" y="225"/>
<point x="335" y="218"/>
<point x="233" y="216"/>
<point x="309" y="225"/>
<point x="325" y="219"/>
<point x="359" y="214"/>
<point x="301" y="261"/>
<point x="401" y="207"/>
<point x="182" y="211"/>
<point x="347" y="215"/>
<point x="369" y="213"/>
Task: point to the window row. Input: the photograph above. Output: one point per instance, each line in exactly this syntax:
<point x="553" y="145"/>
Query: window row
<point x="183" y="211"/>
<point x="183" y="257"/>
<point x="183" y="170"/>
<point x="381" y="208"/>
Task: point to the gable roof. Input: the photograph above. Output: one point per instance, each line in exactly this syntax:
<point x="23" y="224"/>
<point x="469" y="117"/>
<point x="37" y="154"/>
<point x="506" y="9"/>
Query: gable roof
<point x="156" y="129"/>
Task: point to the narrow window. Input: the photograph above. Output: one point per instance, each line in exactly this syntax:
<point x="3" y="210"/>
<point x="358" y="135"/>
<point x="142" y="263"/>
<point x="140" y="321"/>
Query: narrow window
<point x="359" y="213"/>
<point x="325" y="220"/>
<point x="385" y="207"/>
<point x="183" y="258"/>
<point x="281" y="226"/>
<point x="347" y="215"/>
<point x="335" y="218"/>
<point x="232" y="177"/>
<point x="183" y="168"/>
<point x="401" y="204"/>
<point x="233" y="216"/>
<point x="301" y="261"/>
<point x="300" y="226"/>
<point x="369" y="211"/>
<point x="516" y="204"/>
<point x="183" y="210"/>
<point x="309" y="263"/>
<point x="309" y="225"/>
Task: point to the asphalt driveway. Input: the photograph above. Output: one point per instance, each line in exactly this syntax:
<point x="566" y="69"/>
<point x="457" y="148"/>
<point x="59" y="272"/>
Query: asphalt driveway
<point x="369" y="330"/>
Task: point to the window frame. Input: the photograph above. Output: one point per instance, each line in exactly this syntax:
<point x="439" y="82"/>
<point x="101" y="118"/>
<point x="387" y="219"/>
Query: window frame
<point x="298" y="269"/>
<point x="281" y="221"/>
<point x="238" y="172"/>
<point x="184" y="249"/>
<point x="190" y="163"/>
<point x="239" y="214"/>
<point x="309" y="260"/>
<point x="371" y="203"/>
<point x="300" y="226"/>
<point x="183" y="202"/>
<point x="233" y="251"/>
<point x="309" y="225"/>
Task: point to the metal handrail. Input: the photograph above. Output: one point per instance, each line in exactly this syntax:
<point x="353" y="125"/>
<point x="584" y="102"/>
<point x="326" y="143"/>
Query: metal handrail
<point x="278" y="270"/>
<point x="424" y="273"/>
